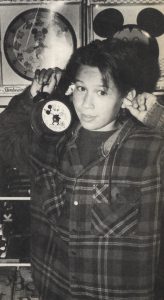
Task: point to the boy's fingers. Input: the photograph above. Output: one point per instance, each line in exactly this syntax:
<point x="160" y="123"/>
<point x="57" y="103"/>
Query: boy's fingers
<point x="36" y="76"/>
<point x="140" y="105"/>
<point x="136" y="103"/>
<point x="126" y="103"/>
<point x="51" y="79"/>
<point x="141" y="101"/>
<point x="45" y="80"/>
<point x="44" y="76"/>
<point x="146" y="100"/>
<point x="52" y="82"/>
<point x="41" y="79"/>
<point x="58" y="73"/>
<point x="47" y="76"/>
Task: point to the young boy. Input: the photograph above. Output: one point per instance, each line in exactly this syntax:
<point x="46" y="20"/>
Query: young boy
<point x="97" y="196"/>
<point x="97" y="215"/>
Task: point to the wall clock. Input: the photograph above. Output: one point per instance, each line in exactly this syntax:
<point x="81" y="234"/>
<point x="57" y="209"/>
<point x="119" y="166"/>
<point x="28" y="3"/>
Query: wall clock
<point x="38" y="38"/>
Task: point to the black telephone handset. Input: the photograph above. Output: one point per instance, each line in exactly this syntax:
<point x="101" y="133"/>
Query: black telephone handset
<point x="50" y="117"/>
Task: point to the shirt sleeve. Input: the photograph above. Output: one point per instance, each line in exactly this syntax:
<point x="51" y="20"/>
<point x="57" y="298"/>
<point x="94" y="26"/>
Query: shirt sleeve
<point x="155" y="117"/>
<point x="15" y="131"/>
<point x="20" y="146"/>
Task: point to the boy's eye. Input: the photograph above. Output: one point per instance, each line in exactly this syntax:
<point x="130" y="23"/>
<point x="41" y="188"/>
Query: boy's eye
<point x="80" y="88"/>
<point x="101" y="93"/>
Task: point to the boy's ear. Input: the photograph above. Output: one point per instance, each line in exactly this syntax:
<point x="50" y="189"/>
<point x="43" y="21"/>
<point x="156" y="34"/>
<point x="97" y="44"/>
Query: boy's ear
<point x="130" y="96"/>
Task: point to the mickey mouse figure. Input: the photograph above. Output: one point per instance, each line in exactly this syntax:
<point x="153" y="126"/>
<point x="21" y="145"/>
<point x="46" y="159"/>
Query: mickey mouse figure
<point x="109" y="23"/>
<point x="55" y="117"/>
<point x="39" y="37"/>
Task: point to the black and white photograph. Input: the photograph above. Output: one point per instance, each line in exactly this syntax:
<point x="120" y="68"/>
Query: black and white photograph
<point x="81" y="150"/>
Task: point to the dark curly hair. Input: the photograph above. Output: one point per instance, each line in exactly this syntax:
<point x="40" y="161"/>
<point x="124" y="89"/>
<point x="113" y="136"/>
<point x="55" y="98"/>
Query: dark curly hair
<point x="131" y="65"/>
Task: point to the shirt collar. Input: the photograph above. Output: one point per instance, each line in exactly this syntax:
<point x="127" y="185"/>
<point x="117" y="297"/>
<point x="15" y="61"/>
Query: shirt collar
<point x="117" y="137"/>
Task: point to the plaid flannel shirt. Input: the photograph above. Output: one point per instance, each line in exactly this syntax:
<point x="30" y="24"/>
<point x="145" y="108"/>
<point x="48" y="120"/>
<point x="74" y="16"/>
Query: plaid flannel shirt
<point x="95" y="231"/>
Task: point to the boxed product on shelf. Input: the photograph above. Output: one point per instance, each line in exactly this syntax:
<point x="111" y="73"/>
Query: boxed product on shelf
<point x="17" y="284"/>
<point x="15" y="230"/>
<point x="19" y="248"/>
<point x="6" y="283"/>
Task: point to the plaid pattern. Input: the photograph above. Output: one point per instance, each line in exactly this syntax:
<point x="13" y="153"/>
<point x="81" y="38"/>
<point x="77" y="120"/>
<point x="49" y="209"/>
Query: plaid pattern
<point x="96" y="230"/>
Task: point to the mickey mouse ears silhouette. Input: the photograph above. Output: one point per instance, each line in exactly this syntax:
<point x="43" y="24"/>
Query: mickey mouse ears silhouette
<point x="150" y="24"/>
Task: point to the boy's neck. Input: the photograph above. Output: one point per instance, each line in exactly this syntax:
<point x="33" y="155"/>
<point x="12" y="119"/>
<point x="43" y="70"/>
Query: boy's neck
<point x="109" y="127"/>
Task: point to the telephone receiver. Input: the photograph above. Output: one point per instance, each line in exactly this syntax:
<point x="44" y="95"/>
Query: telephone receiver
<point x="50" y="116"/>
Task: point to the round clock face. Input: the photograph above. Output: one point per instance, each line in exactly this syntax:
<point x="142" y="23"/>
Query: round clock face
<point x="56" y="116"/>
<point x="38" y="38"/>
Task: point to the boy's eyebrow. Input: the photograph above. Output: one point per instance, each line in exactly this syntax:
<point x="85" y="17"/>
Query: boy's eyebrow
<point x="76" y="80"/>
<point x="100" y="85"/>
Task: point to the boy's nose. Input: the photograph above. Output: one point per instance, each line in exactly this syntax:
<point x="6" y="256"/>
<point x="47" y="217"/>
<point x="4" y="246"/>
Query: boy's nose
<point x="88" y="100"/>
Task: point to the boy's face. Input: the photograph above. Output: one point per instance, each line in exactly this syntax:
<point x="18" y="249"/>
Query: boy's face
<point x="95" y="105"/>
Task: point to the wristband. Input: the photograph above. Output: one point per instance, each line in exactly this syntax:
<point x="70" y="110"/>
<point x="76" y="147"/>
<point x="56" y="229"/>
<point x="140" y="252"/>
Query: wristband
<point x="155" y="116"/>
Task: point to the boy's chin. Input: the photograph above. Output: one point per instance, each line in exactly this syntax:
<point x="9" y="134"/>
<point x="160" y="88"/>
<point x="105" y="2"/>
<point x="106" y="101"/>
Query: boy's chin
<point x="89" y="127"/>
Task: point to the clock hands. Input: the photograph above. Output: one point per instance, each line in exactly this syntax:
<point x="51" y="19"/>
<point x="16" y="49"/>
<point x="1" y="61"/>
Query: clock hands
<point x="33" y="48"/>
<point x="30" y="31"/>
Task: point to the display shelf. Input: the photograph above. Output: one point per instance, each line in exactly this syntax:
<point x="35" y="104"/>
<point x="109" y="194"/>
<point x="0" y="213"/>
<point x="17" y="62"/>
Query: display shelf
<point x="8" y="198"/>
<point x="13" y="264"/>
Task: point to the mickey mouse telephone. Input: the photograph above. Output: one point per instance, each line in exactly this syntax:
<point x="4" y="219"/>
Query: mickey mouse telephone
<point x="50" y="117"/>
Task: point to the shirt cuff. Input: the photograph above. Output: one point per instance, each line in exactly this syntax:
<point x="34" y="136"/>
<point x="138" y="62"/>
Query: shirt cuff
<point x="155" y="116"/>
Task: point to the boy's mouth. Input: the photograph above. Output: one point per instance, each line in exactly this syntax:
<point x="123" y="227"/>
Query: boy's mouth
<point x="87" y="118"/>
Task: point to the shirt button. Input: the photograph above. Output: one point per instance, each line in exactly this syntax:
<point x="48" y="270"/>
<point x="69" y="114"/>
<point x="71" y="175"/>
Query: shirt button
<point x="75" y="202"/>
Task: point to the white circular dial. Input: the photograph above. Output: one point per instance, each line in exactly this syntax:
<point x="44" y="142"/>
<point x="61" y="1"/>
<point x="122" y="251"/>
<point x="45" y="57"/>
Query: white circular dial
<point x="56" y="116"/>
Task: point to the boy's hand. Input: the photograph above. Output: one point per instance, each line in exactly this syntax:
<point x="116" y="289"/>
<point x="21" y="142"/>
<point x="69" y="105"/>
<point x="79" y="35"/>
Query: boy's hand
<point x="140" y="105"/>
<point x="45" y="80"/>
